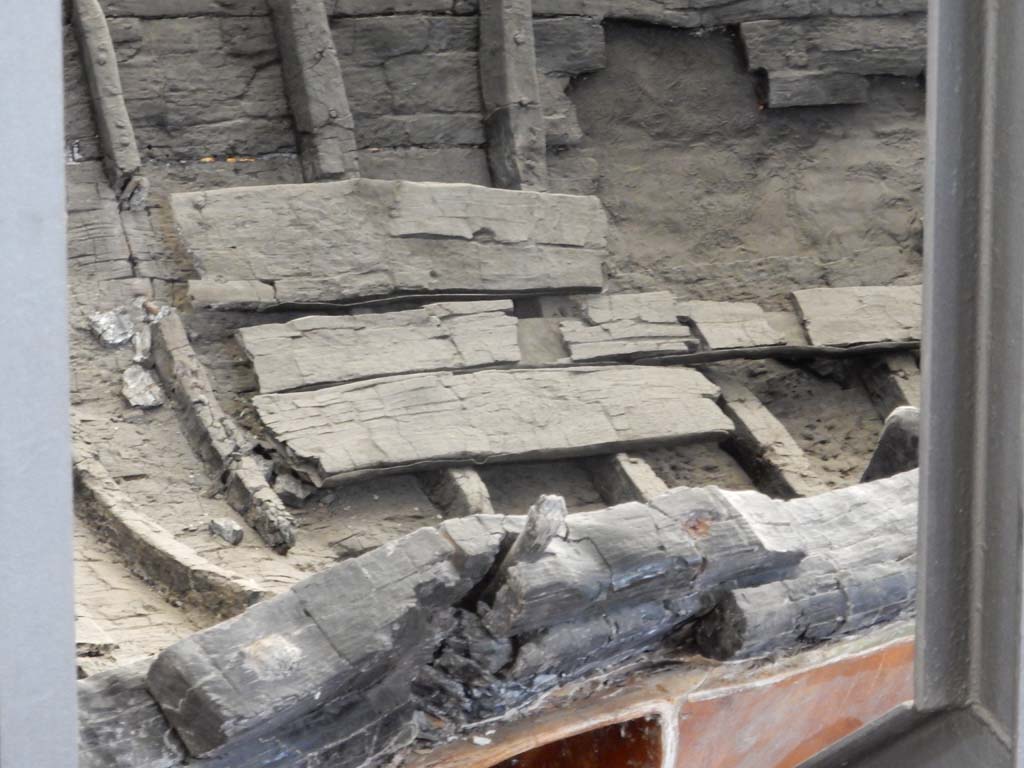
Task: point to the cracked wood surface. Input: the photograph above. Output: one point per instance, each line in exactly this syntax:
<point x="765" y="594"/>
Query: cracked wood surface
<point x="516" y="134"/>
<point x="314" y="351"/>
<point x="359" y="239"/>
<point x="625" y="326"/>
<point x="844" y="317"/>
<point x="730" y="324"/>
<point x="99" y="60"/>
<point x="315" y="89"/>
<point x="438" y="419"/>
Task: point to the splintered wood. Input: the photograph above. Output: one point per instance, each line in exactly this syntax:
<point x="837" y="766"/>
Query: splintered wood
<point x="730" y="324"/>
<point x="428" y="420"/>
<point x="314" y="351"/>
<point x="352" y="240"/>
<point x="625" y="326"/>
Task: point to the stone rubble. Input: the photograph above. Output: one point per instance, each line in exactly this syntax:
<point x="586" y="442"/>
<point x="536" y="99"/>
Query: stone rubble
<point x="141" y="389"/>
<point x="114" y="327"/>
<point x="228" y="530"/>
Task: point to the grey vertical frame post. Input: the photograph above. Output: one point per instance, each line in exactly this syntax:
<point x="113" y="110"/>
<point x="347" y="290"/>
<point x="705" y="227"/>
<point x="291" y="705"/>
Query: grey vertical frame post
<point x="970" y="630"/>
<point x="38" y="726"/>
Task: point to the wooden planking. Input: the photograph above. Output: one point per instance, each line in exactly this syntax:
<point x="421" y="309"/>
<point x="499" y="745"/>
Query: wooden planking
<point x="846" y="317"/>
<point x="314" y="351"/>
<point x="624" y="326"/>
<point x="825" y="60"/>
<point x="885" y="45"/>
<point x="357" y="239"/>
<point x="807" y="88"/>
<point x="730" y="324"/>
<point x="439" y="419"/>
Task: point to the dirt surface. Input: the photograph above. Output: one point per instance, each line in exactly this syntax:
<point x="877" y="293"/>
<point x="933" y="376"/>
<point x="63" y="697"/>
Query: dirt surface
<point x="697" y="464"/>
<point x="717" y="199"/>
<point x="129" y="614"/>
<point x="514" y="487"/>
<point x="835" y="422"/>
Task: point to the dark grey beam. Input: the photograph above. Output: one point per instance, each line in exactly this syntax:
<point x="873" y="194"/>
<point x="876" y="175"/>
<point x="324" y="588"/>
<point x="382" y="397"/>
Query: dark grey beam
<point x="99" y="59"/>
<point x="38" y="725"/>
<point x="514" y="119"/>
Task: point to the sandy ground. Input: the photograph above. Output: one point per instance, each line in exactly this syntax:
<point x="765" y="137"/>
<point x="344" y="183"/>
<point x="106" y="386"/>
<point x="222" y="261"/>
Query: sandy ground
<point x="717" y="199"/>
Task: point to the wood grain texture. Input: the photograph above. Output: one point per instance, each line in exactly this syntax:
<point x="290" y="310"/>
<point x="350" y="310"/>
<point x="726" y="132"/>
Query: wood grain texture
<point x="315" y="351"/>
<point x="358" y="239"/>
<point x="439" y="419"/>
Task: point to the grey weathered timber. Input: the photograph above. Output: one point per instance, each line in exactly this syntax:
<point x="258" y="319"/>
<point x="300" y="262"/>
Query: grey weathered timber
<point x="152" y="550"/>
<point x="893" y="380"/>
<point x="357" y="239"/>
<point x="120" y="152"/>
<point x="161" y="9"/>
<point x="120" y="724"/>
<point x="897" y="447"/>
<point x="514" y="119"/>
<point x="430" y="420"/>
<point x="824" y="60"/>
<point x="315" y="89"/>
<point x="569" y="45"/>
<point x="459" y="491"/>
<point x="887" y="45"/>
<point x="870" y="314"/>
<point x="764" y="445"/>
<point x="544" y="521"/>
<point x="216" y="436"/>
<point x="314" y="351"/>
<point x="859" y="569"/>
<point x="621" y="477"/>
<point x="624" y="326"/>
<point x="729" y="324"/>
<point x="807" y="88"/>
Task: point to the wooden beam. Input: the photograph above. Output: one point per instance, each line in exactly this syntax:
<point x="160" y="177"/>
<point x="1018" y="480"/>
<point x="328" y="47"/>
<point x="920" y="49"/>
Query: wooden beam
<point x="316" y="90"/>
<point x="514" y="119"/>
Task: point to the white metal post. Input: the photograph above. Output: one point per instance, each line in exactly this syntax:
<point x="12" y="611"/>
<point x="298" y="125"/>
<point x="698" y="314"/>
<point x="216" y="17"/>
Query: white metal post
<point x="38" y="726"/>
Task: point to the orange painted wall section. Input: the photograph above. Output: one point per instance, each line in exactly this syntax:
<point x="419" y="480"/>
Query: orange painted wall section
<point x="780" y="723"/>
